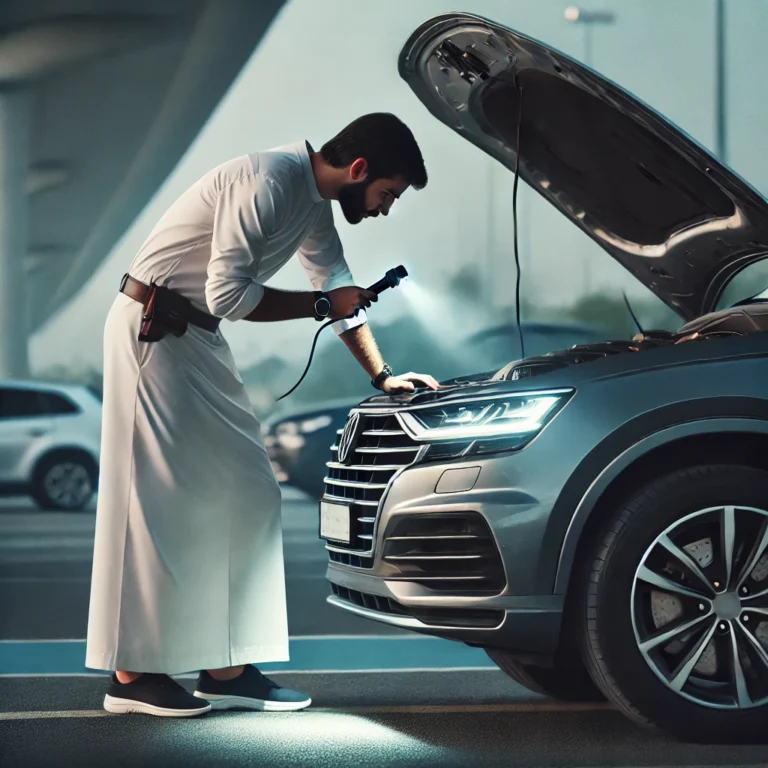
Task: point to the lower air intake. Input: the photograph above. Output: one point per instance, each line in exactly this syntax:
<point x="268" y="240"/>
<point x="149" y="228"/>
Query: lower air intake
<point x="448" y="552"/>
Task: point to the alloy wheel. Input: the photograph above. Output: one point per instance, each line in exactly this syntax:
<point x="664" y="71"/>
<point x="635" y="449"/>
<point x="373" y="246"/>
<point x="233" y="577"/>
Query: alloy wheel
<point x="68" y="484"/>
<point x="700" y="607"/>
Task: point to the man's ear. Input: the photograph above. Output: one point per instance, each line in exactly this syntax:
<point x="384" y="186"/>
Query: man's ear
<point x="358" y="171"/>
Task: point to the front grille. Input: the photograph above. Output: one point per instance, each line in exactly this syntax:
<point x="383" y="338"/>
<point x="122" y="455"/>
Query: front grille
<point x="449" y="552"/>
<point x="453" y="617"/>
<point x="381" y="448"/>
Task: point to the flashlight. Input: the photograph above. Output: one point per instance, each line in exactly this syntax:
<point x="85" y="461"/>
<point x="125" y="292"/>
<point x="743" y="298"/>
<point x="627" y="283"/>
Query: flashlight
<point x="390" y="280"/>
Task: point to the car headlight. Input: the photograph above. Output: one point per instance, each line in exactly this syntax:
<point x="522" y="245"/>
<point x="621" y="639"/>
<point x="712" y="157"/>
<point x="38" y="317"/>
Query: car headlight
<point x="509" y="416"/>
<point x="312" y="425"/>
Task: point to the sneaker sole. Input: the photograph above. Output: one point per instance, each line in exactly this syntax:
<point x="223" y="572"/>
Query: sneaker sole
<point x="218" y="701"/>
<point x="128" y="706"/>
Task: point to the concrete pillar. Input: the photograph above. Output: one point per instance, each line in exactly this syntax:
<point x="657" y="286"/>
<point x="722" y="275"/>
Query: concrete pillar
<point x="14" y="162"/>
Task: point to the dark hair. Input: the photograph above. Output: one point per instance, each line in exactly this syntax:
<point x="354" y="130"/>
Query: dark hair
<point x="385" y="142"/>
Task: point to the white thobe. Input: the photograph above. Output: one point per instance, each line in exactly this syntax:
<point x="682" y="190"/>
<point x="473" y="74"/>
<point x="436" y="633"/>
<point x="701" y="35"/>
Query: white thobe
<point x="188" y="560"/>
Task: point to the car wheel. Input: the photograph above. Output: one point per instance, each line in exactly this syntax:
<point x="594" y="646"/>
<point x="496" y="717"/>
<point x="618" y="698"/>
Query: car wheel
<point x="65" y="480"/>
<point x="675" y="625"/>
<point x="565" y="681"/>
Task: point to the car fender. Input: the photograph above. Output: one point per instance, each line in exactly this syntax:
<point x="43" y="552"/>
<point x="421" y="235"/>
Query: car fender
<point x="54" y="444"/>
<point x="629" y="443"/>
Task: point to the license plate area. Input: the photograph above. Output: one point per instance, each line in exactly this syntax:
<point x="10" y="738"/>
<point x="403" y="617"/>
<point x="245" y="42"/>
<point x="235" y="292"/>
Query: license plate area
<point x="335" y="522"/>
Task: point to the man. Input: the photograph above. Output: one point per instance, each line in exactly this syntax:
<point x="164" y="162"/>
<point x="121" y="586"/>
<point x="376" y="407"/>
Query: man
<point x="188" y="564"/>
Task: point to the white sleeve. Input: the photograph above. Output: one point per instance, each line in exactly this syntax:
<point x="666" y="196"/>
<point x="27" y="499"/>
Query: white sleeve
<point x="243" y="221"/>
<point x="322" y="256"/>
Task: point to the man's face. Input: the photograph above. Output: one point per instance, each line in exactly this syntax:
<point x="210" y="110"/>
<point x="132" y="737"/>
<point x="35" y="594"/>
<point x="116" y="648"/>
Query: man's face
<point x="360" y="198"/>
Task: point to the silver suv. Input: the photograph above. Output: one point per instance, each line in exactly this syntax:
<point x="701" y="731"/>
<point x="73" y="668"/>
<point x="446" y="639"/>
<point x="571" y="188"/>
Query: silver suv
<point x="49" y="442"/>
<point x="596" y="518"/>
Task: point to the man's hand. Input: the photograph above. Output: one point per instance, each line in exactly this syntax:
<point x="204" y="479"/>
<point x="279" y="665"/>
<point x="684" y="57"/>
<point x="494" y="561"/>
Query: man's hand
<point x="345" y="301"/>
<point x="396" y="385"/>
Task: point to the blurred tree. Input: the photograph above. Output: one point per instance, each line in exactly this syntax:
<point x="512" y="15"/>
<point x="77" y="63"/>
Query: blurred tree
<point x="606" y="311"/>
<point x="408" y="344"/>
<point x="465" y="284"/>
<point x="610" y="312"/>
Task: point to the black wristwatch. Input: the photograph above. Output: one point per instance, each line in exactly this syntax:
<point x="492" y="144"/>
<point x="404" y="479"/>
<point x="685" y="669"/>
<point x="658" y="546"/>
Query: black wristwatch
<point x="386" y="372"/>
<point x="322" y="306"/>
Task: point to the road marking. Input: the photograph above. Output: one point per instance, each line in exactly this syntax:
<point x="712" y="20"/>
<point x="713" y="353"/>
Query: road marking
<point x="427" y="709"/>
<point x="44" y="580"/>
<point x="405" y="636"/>
<point x="74" y="714"/>
<point x="358" y="653"/>
<point x="193" y="676"/>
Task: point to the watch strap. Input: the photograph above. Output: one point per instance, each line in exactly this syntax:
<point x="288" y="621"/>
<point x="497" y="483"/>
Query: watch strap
<point x="386" y="372"/>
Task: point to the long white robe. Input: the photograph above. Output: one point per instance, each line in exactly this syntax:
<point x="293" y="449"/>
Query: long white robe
<point x="188" y="567"/>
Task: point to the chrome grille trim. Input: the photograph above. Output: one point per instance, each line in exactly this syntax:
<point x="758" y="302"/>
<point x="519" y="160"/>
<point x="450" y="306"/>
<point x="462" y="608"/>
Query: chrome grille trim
<point x="457" y="537"/>
<point x="435" y="578"/>
<point x="342" y="500"/>
<point x="354" y="484"/>
<point x="364" y="467"/>
<point x="383" y="433"/>
<point x="432" y="557"/>
<point x="382" y="449"/>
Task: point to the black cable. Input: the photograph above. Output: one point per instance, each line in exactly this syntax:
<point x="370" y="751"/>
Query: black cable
<point x="629" y="307"/>
<point x="514" y="219"/>
<point x="309" y="362"/>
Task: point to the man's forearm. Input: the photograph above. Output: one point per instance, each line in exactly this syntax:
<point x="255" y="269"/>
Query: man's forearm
<point x="283" y="305"/>
<point x="362" y="345"/>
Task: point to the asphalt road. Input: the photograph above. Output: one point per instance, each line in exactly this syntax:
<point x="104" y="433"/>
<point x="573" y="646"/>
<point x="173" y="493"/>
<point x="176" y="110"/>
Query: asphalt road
<point x="45" y="573"/>
<point x="438" y="713"/>
<point x="447" y="719"/>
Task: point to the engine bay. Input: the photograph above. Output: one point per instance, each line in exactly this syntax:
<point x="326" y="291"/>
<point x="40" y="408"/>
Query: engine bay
<point x="740" y="320"/>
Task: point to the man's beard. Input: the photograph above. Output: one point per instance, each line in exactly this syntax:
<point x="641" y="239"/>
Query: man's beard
<point x="352" y="201"/>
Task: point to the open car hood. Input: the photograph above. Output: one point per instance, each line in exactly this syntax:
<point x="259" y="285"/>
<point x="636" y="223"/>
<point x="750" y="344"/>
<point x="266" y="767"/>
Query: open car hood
<point x="652" y="197"/>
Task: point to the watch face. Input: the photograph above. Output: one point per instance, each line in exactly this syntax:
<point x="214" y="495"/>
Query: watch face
<point x="322" y="306"/>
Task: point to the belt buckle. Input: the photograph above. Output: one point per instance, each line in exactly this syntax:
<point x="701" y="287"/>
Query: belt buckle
<point x="123" y="282"/>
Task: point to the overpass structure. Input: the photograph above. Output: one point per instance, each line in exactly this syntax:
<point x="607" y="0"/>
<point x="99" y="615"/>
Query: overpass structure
<point x="99" y="99"/>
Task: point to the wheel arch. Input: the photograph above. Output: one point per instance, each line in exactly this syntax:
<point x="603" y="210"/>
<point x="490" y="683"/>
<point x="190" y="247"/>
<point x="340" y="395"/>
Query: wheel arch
<point x="715" y="438"/>
<point x="65" y="448"/>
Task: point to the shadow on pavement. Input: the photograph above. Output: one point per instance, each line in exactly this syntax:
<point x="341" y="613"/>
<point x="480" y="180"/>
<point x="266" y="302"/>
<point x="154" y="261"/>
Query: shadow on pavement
<point x="416" y="719"/>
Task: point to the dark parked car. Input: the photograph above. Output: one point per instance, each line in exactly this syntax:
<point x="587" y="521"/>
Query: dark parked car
<point x="596" y="518"/>
<point x="298" y="441"/>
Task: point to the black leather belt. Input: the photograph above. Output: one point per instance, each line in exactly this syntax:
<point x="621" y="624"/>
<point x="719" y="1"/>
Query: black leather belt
<point x="138" y="291"/>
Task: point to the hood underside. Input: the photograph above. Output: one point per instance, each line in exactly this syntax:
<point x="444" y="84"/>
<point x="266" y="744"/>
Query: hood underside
<point x="683" y="224"/>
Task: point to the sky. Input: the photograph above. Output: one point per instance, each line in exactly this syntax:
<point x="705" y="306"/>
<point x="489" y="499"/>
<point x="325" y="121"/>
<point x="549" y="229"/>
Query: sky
<point x="325" y="62"/>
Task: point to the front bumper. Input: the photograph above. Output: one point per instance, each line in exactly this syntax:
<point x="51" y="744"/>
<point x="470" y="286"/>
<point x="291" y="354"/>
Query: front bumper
<point x="527" y="624"/>
<point x="382" y="575"/>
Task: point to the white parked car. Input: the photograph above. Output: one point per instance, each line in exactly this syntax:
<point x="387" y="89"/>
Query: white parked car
<point x="49" y="442"/>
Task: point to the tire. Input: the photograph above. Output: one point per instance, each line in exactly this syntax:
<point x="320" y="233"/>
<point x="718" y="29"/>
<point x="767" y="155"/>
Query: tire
<point x="567" y="682"/>
<point x="619" y="608"/>
<point x="65" y="480"/>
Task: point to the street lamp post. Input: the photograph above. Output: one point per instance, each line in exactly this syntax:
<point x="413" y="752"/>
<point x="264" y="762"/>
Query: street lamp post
<point x="720" y="121"/>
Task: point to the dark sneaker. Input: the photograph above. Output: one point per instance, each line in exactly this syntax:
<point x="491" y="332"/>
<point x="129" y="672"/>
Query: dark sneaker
<point x="152" y="694"/>
<point x="251" y="690"/>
